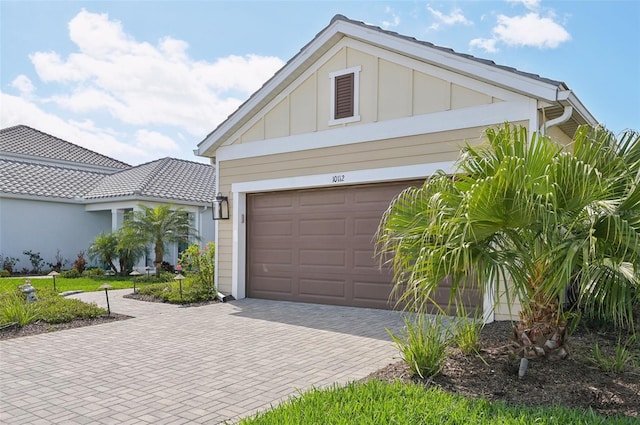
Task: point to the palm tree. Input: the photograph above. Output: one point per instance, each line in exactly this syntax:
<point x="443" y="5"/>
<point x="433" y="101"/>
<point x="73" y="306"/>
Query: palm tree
<point x="158" y="226"/>
<point x="105" y="247"/>
<point x="530" y="218"/>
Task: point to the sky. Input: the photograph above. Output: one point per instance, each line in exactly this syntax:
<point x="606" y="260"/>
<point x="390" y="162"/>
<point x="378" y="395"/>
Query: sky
<point x="142" y="80"/>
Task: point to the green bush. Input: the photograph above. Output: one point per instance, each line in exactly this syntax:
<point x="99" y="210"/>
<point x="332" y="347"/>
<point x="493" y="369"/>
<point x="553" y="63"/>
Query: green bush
<point x="15" y="309"/>
<point x="70" y="274"/>
<point x="423" y="344"/>
<point x="96" y="271"/>
<point x="193" y="291"/>
<point x="5" y="273"/>
<point x="57" y="309"/>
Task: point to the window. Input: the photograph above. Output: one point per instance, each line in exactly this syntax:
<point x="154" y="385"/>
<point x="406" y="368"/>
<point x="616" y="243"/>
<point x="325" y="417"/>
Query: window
<point x="345" y="91"/>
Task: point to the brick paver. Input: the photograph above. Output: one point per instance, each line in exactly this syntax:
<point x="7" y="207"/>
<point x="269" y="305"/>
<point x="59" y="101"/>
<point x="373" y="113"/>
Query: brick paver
<point x="172" y="365"/>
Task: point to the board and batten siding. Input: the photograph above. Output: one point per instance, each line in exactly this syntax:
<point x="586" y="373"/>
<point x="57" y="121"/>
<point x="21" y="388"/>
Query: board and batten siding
<point x="391" y="86"/>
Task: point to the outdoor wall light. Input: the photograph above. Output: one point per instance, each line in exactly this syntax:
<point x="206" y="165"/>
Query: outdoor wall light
<point x="220" y="207"/>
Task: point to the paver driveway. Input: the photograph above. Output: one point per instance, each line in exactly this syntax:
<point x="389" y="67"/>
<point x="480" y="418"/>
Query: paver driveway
<point x="172" y="365"/>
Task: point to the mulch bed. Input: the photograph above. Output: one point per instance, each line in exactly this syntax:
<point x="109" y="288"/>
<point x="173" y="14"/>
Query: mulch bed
<point x="571" y="382"/>
<point x="43" y="327"/>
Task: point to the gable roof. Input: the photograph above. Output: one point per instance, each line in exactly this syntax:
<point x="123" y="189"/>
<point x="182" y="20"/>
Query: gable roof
<point x="20" y="142"/>
<point x="166" y="178"/>
<point x="554" y="92"/>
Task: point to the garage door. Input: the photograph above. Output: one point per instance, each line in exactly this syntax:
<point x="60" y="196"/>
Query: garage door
<point x="318" y="245"/>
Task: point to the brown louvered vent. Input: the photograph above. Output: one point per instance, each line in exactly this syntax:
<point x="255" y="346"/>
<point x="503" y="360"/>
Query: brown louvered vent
<point x="344" y="86"/>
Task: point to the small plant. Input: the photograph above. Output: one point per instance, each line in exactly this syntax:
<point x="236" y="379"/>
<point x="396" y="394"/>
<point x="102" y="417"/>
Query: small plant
<point x="8" y="263"/>
<point x="93" y="272"/>
<point x="60" y="262"/>
<point x="80" y="263"/>
<point x="14" y="309"/>
<point x="70" y="274"/>
<point x="617" y="362"/>
<point x="36" y="261"/>
<point x="200" y="263"/>
<point x="466" y="331"/>
<point x="5" y="273"/>
<point x="423" y="346"/>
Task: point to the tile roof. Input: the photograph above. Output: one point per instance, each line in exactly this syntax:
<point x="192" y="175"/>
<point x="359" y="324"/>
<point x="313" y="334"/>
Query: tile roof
<point x="167" y="178"/>
<point x="26" y="141"/>
<point x="42" y="180"/>
<point x="36" y="164"/>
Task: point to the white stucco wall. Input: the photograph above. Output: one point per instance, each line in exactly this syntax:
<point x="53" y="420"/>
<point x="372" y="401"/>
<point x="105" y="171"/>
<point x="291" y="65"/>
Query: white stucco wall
<point x="46" y="227"/>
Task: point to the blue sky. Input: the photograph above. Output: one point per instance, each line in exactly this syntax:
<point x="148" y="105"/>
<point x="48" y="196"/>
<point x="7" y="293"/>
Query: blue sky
<point x="140" y="80"/>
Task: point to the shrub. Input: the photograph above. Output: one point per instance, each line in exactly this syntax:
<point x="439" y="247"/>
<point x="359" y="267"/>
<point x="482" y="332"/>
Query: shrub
<point x="192" y="291"/>
<point x="200" y="263"/>
<point x="167" y="267"/>
<point x="36" y="261"/>
<point x="70" y="274"/>
<point x="5" y="273"/>
<point x="14" y="309"/>
<point x="60" y="262"/>
<point x="80" y="262"/>
<point x="617" y="362"/>
<point x="423" y="345"/>
<point x="466" y="331"/>
<point x="7" y="263"/>
<point x="93" y="272"/>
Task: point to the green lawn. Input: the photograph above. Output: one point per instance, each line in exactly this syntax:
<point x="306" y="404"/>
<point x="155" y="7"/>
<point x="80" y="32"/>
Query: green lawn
<point x="377" y="402"/>
<point x="86" y="284"/>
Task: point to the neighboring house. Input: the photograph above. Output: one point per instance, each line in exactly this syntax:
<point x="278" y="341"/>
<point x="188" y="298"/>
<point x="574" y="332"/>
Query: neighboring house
<point x="311" y="160"/>
<point x="56" y="197"/>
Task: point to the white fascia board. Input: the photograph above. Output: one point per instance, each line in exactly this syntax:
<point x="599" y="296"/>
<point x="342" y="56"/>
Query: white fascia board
<point x="484" y="115"/>
<point x="344" y="178"/>
<point x="456" y="63"/>
<point x="8" y="195"/>
<point x="581" y="109"/>
<point x="258" y="97"/>
<point x="131" y="201"/>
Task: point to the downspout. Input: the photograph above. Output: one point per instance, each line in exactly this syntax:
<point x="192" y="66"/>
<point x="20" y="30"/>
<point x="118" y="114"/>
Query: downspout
<point x="566" y="115"/>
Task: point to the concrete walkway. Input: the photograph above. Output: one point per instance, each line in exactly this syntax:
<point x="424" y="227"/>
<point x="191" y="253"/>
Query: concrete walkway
<point x="173" y="365"/>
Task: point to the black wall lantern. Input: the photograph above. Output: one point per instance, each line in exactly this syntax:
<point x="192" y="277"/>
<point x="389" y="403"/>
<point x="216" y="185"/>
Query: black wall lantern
<point x="220" y="207"/>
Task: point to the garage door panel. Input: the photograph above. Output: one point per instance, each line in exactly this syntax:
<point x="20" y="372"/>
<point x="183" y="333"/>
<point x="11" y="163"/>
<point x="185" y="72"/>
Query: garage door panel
<point x="323" y="227"/>
<point x="322" y="257"/>
<point x="281" y="284"/>
<point x="273" y="256"/>
<point x="310" y="287"/>
<point x="320" y="245"/>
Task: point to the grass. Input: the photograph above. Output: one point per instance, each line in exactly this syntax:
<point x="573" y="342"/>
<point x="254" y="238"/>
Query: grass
<point x="86" y="284"/>
<point x="50" y="308"/>
<point x="378" y="402"/>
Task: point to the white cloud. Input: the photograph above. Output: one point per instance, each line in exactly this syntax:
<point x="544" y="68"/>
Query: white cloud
<point x="146" y="139"/>
<point x="16" y="110"/>
<point x="395" y="19"/>
<point x="142" y="84"/>
<point x="24" y="85"/>
<point x="529" y="4"/>
<point x="530" y="30"/>
<point x="455" y="17"/>
<point x="486" y="44"/>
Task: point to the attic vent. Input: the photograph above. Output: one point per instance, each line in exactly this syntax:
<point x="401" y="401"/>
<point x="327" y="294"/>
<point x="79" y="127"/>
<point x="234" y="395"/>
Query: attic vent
<point x="344" y="96"/>
<point x="345" y="92"/>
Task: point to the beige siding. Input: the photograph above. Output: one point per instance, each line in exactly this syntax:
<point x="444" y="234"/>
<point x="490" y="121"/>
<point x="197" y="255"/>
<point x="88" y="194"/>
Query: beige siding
<point x="368" y="84"/>
<point x="335" y="63"/>
<point x="276" y="121"/>
<point x="303" y="107"/>
<point x="430" y="94"/>
<point x="559" y="136"/>
<point x="443" y="146"/>
<point x="395" y="90"/>
<point x="256" y="132"/>
<point x="462" y="97"/>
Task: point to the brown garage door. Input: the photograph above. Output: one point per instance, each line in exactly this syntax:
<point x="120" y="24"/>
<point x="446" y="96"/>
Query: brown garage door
<point x="318" y="245"/>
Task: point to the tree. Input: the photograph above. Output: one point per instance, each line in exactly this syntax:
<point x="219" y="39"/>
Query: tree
<point x="531" y="219"/>
<point x="105" y="247"/>
<point x="116" y="245"/>
<point x="158" y="226"/>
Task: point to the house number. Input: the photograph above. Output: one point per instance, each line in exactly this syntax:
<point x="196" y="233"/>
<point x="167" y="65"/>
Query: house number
<point x="339" y="178"/>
